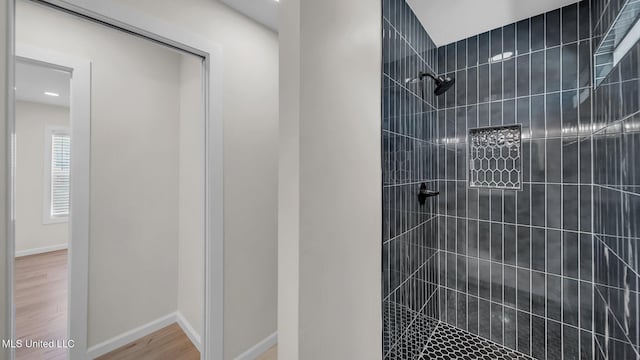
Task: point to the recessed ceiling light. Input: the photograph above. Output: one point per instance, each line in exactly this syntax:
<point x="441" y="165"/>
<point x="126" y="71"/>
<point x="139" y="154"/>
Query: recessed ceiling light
<point x="504" y="56"/>
<point x="48" y="93"/>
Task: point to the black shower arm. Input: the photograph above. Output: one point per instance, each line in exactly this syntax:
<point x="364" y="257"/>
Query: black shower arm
<point x="427" y="74"/>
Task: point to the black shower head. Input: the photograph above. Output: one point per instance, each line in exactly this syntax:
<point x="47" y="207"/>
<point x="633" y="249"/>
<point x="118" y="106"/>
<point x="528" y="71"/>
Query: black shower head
<point x="443" y="83"/>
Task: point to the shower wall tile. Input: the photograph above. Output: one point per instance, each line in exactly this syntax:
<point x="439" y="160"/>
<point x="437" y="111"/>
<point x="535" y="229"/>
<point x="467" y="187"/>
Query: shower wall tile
<point x="616" y="200"/>
<point x="410" y="230"/>
<point x="527" y="253"/>
<point x="551" y="270"/>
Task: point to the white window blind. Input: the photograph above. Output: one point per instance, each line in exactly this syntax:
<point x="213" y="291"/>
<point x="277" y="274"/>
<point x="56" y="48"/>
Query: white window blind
<point x="60" y="174"/>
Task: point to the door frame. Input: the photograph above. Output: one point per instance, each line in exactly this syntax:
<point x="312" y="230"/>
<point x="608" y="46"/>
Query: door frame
<point x="80" y="114"/>
<point x="136" y="23"/>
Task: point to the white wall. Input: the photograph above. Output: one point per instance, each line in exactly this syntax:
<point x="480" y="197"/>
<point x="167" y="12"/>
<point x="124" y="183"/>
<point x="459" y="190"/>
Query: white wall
<point x="32" y="121"/>
<point x="250" y="111"/>
<point x="191" y="196"/>
<point x="289" y="182"/>
<point x="330" y="58"/>
<point x="134" y="167"/>
<point x="4" y="305"/>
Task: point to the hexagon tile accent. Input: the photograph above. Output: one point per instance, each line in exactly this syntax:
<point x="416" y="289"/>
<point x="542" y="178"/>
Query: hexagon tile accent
<point x="448" y="342"/>
<point x="410" y="335"/>
<point x="495" y="157"/>
<point x="405" y="331"/>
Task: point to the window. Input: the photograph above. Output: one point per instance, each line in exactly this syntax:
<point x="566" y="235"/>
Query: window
<point x="58" y="178"/>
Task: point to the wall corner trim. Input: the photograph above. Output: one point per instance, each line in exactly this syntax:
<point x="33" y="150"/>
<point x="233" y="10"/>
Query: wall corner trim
<point x="192" y="334"/>
<point x="140" y="332"/>
<point x="260" y="348"/>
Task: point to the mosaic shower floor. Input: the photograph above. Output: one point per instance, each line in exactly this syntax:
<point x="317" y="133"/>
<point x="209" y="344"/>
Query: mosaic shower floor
<point x="449" y="343"/>
<point x="406" y="332"/>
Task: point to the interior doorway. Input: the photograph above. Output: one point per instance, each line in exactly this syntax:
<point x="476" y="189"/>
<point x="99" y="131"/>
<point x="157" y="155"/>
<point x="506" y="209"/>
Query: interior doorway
<point x="51" y="117"/>
<point x="140" y="187"/>
<point x="42" y="206"/>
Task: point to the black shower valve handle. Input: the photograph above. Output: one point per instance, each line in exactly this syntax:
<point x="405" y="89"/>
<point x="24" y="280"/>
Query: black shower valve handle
<point x="423" y="193"/>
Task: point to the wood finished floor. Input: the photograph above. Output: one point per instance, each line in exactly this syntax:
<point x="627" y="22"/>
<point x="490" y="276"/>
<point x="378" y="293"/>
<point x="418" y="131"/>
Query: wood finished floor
<point x="271" y="354"/>
<point x="41" y="314"/>
<point x="169" y="343"/>
<point x="41" y="302"/>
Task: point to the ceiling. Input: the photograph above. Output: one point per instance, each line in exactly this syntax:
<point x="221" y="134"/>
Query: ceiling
<point x="448" y="21"/>
<point x="262" y="11"/>
<point x="32" y="81"/>
<point x="471" y="17"/>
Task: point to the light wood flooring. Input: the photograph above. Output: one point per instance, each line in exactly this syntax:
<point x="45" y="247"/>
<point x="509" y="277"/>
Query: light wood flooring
<point x="169" y="343"/>
<point x="271" y="354"/>
<point x="41" y="302"/>
<point x="41" y="313"/>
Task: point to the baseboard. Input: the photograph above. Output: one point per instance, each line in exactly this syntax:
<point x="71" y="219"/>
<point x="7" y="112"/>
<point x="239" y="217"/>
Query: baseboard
<point x="129" y="336"/>
<point x="41" y="250"/>
<point x="192" y="334"/>
<point x="260" y="348"/>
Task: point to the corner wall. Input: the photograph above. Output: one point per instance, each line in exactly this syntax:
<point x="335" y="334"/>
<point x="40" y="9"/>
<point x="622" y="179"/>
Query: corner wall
<point x="616" y="188"/>
<point x="289" y="182"/>
<point x="191" y="195"/>
<point x="330" y="171"/>
<point x="409" y="229"/>
<point x="250" y="112"/>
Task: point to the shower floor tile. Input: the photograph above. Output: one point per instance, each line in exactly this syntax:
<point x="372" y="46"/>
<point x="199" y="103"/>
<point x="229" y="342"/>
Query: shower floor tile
<point x="405" y="331"/>
<point x="449" y="343"/>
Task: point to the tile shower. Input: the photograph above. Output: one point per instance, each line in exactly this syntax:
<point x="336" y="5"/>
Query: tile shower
<point x="542" y="262"/>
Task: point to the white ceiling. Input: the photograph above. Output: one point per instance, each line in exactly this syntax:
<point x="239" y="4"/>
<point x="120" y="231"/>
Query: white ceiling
<point x="448" y="21"/>
<point x="263" y="11"/>
<point x="32" y="81"/>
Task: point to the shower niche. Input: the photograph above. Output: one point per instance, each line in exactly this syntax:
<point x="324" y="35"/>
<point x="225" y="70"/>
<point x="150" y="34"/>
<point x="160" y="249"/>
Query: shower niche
<point x="495" y="157"/>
